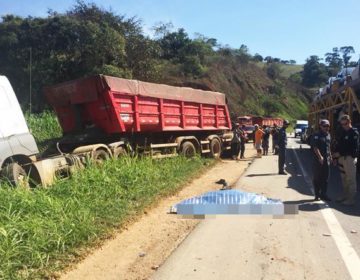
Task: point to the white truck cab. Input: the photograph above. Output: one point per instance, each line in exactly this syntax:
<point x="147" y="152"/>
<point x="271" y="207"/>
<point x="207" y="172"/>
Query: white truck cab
<point x="17" y="145"/>
<point x="300" y="126"/>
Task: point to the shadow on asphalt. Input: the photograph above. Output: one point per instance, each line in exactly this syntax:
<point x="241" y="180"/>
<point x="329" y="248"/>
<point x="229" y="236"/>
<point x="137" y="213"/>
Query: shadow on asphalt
<point x="297" y="182"/>
<point x="308" y="205"/>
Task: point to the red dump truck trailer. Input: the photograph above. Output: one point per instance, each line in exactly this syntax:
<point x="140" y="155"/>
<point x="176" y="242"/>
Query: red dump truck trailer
<point x="151" y="118"/>
<point x="103" y="117"/>
<point x="252" y="120"/>
<point x="267" y="121"/>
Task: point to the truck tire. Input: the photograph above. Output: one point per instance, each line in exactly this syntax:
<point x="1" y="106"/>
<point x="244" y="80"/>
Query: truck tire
<point x="119" y="152"/>
<point x="100" y="155"/>
<point x="188" y="149"/>
<point x="215" y="148"/>
<point x="15" y="174"/>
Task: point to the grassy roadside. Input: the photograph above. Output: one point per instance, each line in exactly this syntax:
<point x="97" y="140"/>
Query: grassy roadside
<point x="42" y="230"/>
<point x="43" y="126"/>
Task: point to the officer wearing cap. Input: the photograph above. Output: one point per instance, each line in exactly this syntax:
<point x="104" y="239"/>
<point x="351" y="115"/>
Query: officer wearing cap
<point x="320" y="144"/>
<point x="282" y="142"/>
<point x="345" y="154"/>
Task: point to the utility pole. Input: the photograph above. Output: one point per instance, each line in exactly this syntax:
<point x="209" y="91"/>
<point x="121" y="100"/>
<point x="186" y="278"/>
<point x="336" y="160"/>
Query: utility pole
<point x="30" y="85"/>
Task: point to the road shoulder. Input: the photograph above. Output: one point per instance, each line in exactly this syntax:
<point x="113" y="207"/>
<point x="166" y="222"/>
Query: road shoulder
<point x="137" y="251"/>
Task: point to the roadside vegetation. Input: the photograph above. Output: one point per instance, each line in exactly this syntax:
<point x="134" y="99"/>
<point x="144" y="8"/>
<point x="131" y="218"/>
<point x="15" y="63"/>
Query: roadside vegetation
<point x="44" y="229"/>
<point x="43" y="126"/>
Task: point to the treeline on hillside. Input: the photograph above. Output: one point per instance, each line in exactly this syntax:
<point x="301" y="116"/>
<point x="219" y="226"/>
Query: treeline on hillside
<point x="89" y="40"/>
<point x="316" y="72"/>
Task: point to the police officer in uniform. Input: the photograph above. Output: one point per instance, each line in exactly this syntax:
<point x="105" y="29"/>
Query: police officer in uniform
<point x="320" y="144"/>
<point x="281" y="143"/>
<point x="346" y="152"/>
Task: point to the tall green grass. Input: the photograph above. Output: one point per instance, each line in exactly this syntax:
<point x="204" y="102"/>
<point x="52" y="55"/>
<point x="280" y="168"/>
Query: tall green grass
<point x="43" y="126"/>
<point x="43" y="229"/>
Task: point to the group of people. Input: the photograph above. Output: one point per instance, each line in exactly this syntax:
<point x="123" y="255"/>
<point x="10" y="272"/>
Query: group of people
<point x="261" y="141"/>
<point x="262" y="137"/>
<point x="341" y="152"/>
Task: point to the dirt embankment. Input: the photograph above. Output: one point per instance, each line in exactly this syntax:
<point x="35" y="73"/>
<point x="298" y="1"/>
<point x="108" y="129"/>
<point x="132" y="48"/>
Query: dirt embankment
<point x="140" y="249"/>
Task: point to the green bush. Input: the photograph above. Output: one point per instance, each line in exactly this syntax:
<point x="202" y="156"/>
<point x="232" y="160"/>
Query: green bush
<point x="273" y="71"/>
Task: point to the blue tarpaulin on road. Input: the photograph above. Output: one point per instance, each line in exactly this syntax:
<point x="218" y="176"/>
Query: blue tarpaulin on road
<point x="229" y="202"/>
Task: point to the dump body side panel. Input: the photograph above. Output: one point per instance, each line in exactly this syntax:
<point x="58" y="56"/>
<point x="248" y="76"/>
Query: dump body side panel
<point x="128" y="106"/>
<point x="156" y="114"/>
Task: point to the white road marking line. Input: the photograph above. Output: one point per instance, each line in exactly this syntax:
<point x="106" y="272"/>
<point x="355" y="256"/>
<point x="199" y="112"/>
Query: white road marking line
<point x="347" y="251"/>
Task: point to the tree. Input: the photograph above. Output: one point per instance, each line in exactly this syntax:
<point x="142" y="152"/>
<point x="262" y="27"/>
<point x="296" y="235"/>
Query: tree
<point x="276" y="59"/>
<point x="173" y="45"/>
<point x="292" y="61"/>
<point x="268" y="59"/>
<point x="161" y="29"/>
<point x="314" y="73"/>
<point x="83" y="41"/>
<point x="243" y="54"/>
<point x="258" y="58"/>
<point x="353" y="64"/>
<point x="333" y="61"/>
<point x="346" y="51"/>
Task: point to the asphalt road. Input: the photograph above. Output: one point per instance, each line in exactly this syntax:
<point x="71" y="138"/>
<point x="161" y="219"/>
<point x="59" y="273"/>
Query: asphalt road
<point x="321" y="242"/>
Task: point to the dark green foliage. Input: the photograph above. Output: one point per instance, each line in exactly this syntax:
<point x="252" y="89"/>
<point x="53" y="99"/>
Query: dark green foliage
<point x="346" y="51"/>
<point x="296" y="78"/>
<point x="271" y="107"/>
<point x="334" y="61"/>
<point x="314" y="73"/>
<point x="258" y="58"/>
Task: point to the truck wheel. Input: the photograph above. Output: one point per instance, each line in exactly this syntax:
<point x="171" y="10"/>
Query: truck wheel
<point x="215" y="148"/>
<point x="15" y="174"/>
<point x="100" y="156"/>
<point x="119" y="152"/>
<point x="188" y="149"/>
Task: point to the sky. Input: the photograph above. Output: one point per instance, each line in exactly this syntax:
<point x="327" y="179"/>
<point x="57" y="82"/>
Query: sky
<point x="288" y="29"/>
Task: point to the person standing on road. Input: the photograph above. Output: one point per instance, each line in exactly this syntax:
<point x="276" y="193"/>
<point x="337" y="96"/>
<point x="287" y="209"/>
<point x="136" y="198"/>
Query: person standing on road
<point x="236" y="142"/>
<point x="265" y="141"/>
<point x="243" y="137"/>
<point x="320" y="144"/>
<point x="282" y="142"/>
<point x="258" y="135"/>
<point x="275" y="137"/>
<point x="346" y="150"/>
